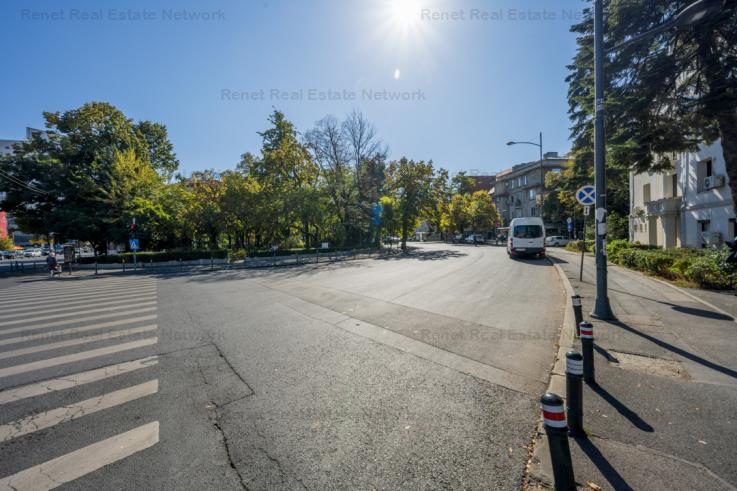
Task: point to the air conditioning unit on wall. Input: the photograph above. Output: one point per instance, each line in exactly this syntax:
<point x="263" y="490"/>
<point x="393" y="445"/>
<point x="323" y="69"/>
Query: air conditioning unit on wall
<point x="712" y="239"/>
<point x="712" y="182"/>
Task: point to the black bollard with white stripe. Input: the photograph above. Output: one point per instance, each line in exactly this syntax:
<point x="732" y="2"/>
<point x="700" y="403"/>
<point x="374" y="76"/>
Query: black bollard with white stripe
<point x="554" y="421"/>
<point x="574" y="392"/>
<point x="587" y="346"/>
<point x="576" y="302"/>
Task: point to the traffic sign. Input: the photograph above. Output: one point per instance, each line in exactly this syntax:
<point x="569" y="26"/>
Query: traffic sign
<point x="586" y="210"/>
<point x="586" y="195"/>
<point x="569" y="220"/>
<point x="133" y="243"/>
<point x="570" y="226"/>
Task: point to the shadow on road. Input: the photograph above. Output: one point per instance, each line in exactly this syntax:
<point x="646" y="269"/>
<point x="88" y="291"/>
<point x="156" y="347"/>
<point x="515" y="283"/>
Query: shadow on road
<point x="422" y="255"/>
<point x="610" y="473"/>
<point x="675" y="349"/>
<point x="632" y="416"/>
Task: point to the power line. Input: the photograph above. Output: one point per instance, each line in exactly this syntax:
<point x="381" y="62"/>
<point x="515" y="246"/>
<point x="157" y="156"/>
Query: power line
<point x="17" y="181"/>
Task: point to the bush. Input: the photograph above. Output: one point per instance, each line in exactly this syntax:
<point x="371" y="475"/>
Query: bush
<point x="706" y="268"/>
<point x="157" y="257"/>
<point x="712" y="271"/>
<point x="576" y="245"/>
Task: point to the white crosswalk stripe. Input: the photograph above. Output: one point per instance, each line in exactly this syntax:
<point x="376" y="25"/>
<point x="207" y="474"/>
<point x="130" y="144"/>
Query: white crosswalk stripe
<point x="90" y="311"/>
<point x="76" y="464"/>
<point x="42" y="318"/>
<point x="74" y="380"/>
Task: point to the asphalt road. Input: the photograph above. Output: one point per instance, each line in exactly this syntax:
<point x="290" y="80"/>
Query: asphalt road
<point x="418" y="372"/>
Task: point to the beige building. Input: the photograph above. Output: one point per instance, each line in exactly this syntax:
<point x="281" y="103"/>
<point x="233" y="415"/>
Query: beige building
<point x="689" y="206"/>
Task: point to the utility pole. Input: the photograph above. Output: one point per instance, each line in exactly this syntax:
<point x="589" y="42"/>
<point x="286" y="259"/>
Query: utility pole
<point x="602" y="309"/>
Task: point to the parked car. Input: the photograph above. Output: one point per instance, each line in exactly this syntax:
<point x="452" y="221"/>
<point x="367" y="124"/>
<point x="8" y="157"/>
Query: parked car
<point x="457" y="238"/>
<point x="556" y="241"/>
<point x="32" y="253"/>
<point x="474" y="239"/>
<point x="526" y="238"/>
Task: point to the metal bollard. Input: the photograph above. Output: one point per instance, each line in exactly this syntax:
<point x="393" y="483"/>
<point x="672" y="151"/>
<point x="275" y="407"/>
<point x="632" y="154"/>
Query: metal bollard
<point x="587" y="346"/>
<point x="574" y="392"/>
<point x="180" y="264"/>
<point x="123" y="265"/>
<point x="212" y="264"/>
<point x="95" y="267"/>
<point x="576" y="302"/>
<point x="554" y="420"/>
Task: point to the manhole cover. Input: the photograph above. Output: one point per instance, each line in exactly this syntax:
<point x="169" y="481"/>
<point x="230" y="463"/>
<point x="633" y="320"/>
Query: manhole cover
<point x="651" y="365"/>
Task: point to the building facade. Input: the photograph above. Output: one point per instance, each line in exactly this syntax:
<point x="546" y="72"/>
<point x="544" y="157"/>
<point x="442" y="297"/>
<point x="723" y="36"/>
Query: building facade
<point x="7" y="226"/>
<point x="517" y="192"/>
<point x="688" y="206"/>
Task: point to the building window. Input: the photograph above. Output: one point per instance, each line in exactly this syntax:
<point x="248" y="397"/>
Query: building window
<point x="733" y="227"/>
<point x="674" y="184"/>
<point x="646" y="193"/>
<point x="532" y="194"/>
<point x="524" y="180"/>
<point x="704" y="169"/>
<point x="704" y="228"/>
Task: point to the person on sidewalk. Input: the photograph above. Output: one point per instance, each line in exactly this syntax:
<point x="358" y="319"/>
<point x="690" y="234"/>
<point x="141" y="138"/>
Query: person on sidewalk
<point x="53" y="264"/>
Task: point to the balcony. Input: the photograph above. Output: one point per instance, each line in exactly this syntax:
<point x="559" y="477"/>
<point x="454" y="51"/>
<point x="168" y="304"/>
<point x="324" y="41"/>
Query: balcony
<point x="665" y="206"/>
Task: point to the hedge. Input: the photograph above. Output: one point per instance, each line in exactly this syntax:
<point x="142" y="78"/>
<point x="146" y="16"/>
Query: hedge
<point x="708" y="268"/>
<point x="157" y="257"/>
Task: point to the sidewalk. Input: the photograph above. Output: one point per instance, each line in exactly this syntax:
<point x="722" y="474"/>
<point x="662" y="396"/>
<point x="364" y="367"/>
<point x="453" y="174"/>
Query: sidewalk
<point x="664" y="412"/>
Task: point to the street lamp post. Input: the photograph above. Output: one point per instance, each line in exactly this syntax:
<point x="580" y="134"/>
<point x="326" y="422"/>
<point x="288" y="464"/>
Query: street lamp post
<point x="542" y="170"/>
<point x="691" y="14"/>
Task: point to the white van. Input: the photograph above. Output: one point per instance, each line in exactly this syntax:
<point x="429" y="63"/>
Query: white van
<point x="526" y="237"/>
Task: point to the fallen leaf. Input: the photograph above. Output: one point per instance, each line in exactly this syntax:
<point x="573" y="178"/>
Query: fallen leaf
<point x="593" y="486"/>
<point x="702" y="442"/>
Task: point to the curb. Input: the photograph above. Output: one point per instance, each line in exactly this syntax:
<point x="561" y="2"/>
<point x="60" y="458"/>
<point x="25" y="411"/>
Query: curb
<point x="537" y="471"/>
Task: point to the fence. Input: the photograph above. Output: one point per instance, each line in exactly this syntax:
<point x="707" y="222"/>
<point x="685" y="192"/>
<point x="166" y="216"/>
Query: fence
<point x="30" y="267"/>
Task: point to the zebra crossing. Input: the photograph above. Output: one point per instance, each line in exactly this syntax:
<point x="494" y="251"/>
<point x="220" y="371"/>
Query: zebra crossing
<point x="70" y="339"/>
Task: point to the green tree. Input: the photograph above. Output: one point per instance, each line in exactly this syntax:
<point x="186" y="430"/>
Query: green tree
<point x="411" y="184"/>
<point x="84" y="177"/>
<point x="482" y="211"/>
<point x="665" y="94"/>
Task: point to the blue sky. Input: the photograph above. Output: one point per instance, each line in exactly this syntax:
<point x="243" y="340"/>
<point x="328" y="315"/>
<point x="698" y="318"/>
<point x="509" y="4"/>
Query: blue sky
<point x="476" y="83"/>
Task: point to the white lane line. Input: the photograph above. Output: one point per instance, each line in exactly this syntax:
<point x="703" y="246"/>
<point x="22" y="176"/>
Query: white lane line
<point x="74" y="380"/>
<point x="132" y="301"/>
<point x="76" y="464"/>
<point x="104" y="336"/>
<point x="75" y="357"/>
<point x="74" y="330"/>
<point x="31" y="298"/>
<point x="53" y="417"/>
<point x="31" y="320"/>
<point x="67" y="322"/>
<point x="98" y="297"/>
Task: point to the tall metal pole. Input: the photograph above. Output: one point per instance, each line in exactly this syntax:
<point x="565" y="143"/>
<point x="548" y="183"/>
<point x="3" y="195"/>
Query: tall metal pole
<point x="602" y="309"/>
<point x="542" y="180"/>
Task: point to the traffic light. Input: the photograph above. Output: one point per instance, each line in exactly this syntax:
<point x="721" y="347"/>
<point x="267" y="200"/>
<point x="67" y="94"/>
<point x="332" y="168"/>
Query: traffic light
<point x="133" y="228"/>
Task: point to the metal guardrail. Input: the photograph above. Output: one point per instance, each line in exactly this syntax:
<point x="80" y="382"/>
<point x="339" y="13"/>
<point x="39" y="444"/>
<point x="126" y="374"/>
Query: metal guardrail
<point x="35" y="267"/>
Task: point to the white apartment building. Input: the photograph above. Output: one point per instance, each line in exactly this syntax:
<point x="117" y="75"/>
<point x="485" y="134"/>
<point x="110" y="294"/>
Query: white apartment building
<point x="689" y="206"/>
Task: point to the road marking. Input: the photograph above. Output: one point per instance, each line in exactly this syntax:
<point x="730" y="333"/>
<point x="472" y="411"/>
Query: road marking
<point x="51" y="301"/>
<point x="92" y="311"/>
<point x="73" y="330"/>
<point x="132" y="301"/>
<point x="53" y="417"/>
<point x="57" y="288"/>
<point x="83" y="461"/>
<point x="74" y="342"/>
<point x="66" y="322"/>
<point x="41" y="297"/>
<point x="82" y="355"/>
<point x="74" y="380"/>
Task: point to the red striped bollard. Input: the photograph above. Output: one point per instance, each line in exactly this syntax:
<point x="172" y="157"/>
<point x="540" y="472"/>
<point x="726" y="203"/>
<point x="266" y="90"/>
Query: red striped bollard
<point x="574" y="392"/>
<point x="554" y="421"/>
<point x="587" y="346"/>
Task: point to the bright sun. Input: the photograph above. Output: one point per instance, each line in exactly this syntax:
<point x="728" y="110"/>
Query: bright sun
<point x="405" y="12"/>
